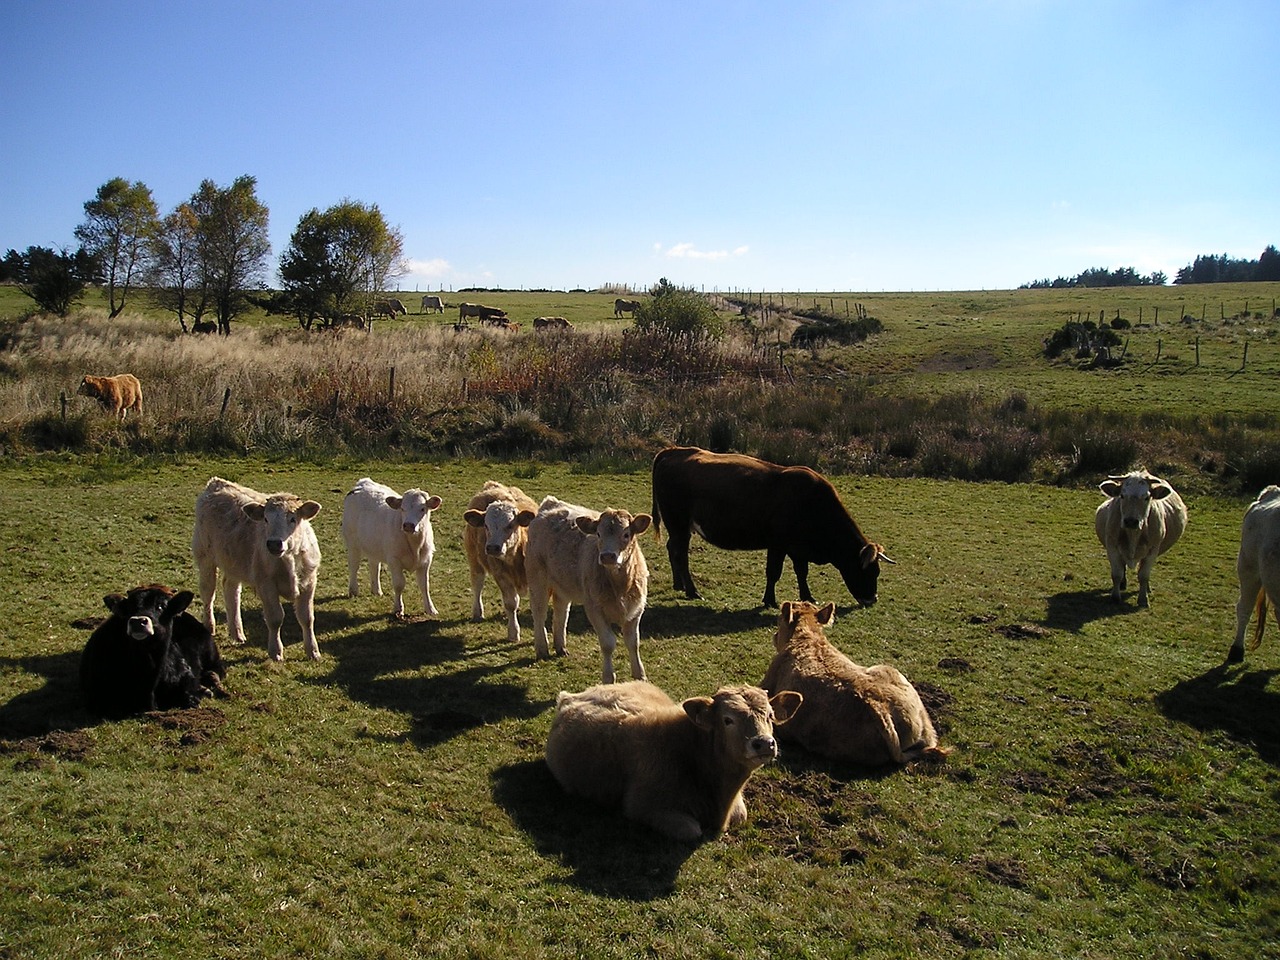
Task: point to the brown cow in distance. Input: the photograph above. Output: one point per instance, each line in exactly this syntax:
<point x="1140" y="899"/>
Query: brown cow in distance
<point x="738" y="502"/>
<point x="119" y="394"/>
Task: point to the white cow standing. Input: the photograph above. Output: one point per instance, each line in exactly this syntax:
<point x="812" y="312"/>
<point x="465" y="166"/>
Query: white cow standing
<point x="266" y="542"/>
<point x="389" y="529"/>
<point x="1258" y="566"/>
<point x="576" y="555"/>
<point x="1142" y="519"/>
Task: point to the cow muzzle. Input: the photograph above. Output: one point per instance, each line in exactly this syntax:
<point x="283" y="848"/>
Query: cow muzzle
<point x="275" y="548"/>
<point x="608" y="559"/>
<point x="140" y="628"/>
<point x="495" y="549"/>
<point x="409" y="527"/>
<point x="763" y="748"/>
<point x="1131" y="523"/>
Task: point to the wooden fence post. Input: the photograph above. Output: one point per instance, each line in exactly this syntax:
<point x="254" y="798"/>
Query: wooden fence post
<point x="63" y="397"/>
<point x="226" y="399"/>
<point x="1197" y="351"/>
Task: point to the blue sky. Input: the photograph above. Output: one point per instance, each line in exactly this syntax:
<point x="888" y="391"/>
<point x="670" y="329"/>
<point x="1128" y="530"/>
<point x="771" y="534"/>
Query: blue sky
<point x="880" y="145"/>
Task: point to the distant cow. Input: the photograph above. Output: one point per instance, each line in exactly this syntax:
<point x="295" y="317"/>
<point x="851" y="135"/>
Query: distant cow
<point x="551" y="323"/>
<point x="678" y="768"/>
<point x="266" y="542"/>
<point x="204" y="326"/>
<point x="737" y="502"/>
<point x="119" y="394"/>
<point x="1141" y="520"/>
<point x="576" y="555"/>
<point x="1258" y="567"/>
<point x="149" y="654"/>
<point x="621" y="306"/>
<point x="389" y="308"/>
<point x="432" y="303"/>
<point x="495" y="540"/>
<point x="389" y="529"/>
<point x="489" y="315"/>
<point x="864" y="715"/>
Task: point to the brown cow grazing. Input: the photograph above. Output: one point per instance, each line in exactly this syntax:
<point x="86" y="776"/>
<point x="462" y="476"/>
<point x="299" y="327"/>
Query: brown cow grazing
<point x="119" y="394"/>
<point x="737" y="502"/>
<point x="621" y="306"/>
<point x="1142" y="519"/>
<point x="865" y="715"/>
<point x="576" y="555"/>
<point x="487" y="315"/>
<point x="494" y="540"/>
<point x="679" y="768"/>
<point x="551" y="323"/>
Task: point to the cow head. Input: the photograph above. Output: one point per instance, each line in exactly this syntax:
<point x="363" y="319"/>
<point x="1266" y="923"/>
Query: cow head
<point x="741" y="721"/>
<point x="804" y="616"/>
<point x="863" y="574"/>
<point x="502" y="524"/>
<point x="283" y="513"/>
<point x="415" y="508"/>
<point x="1136" y="491"/>
<point x="615" y="530"/>
<point x="148" y="611"/>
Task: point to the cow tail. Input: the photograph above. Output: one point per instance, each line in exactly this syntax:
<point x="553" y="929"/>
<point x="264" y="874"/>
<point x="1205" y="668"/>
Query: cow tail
<point x="1260" y="610"/>
<point x="657" y="519"/>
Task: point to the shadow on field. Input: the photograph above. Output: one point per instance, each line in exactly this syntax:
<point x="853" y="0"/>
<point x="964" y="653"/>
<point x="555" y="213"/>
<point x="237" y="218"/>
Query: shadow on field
<point x="390" y="666"/>
<point x="1072" y="609"/>
<point x="608" y="856"/>
<point x="679" y="619"/>
<point x="1233" y="699"/>
<point x="54" y="706"/>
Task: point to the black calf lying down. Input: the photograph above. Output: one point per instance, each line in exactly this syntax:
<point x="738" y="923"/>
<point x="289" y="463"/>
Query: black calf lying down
<point x="150" y="654"/>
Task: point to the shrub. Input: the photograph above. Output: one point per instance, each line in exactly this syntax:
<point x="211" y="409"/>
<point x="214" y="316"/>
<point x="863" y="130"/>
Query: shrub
<point x="678" y="313"/>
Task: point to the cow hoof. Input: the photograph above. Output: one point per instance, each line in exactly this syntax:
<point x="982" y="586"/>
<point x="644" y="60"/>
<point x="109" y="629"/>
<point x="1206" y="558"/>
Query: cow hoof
<point x="1235" y="655"/>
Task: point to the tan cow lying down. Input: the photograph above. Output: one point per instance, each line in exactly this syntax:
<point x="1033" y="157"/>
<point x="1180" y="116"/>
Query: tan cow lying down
<point x="679" y="768"/>
<point x="495" y="539"/>
<point x="865" y="715"/>
<point x="1143" y="518"/>
<point x="1258" y="567"/>
<point x="119" y="394"/>
<point x="266" y="542"/>
<point x="576" y="555"/>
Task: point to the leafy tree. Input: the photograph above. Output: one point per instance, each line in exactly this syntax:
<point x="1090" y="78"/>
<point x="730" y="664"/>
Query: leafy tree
<point x="232" y="245"/>
<point x="53" y="279"/>
<point x="1268" y="265"/>
<point x="678" y="313"/>
<point x="338" y="257"/>
<point x="119" y="224"/>
<point x="176" y="276"/>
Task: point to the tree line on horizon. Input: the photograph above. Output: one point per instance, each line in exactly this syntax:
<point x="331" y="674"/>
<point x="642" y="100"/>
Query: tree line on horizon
<point x="1208" y="268"/>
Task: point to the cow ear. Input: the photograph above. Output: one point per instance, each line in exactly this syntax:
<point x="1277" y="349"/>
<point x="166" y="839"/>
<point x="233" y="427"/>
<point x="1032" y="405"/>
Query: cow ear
<point x="113" y="600"/>
<point x="784" y="614"/>
<point x="1110" y="486"/>
<point x="395" y="502"/>
<point x="640" y="523"/>
<point x="474" y="518"/>
<point x="308" y="509"/>
<point x="178" y="603"/>
<point x="827" y="615"/>
<point x="524" y="518"/>
<point x="434" y="503"/>
<point x="871" y="553"/>
<point x="700" y="710"/>
<point x="785" y="705"/>
<point x="588" y="524"/>
<point x="1160" y="490"/>
<point x="256" y="512"/>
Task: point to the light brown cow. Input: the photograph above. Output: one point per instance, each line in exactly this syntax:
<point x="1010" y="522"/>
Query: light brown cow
<point x="495" y="539"/>
<point x="679" y="768"/>
<point x="119" y="394"/>
<point x="266" y="542"/>
<point x="865" y="715"/>
<point x="1258" y="567"/>
<point x="1142" y="519"/>
<point x="551" y="323"/>
<point x="576" y="555"/>
<point x="488" y="315"/>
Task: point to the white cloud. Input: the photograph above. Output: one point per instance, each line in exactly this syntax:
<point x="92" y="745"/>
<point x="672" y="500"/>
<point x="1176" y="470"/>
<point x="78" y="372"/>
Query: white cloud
<point x="431" y="269"/>
<point x="687" y="251"/>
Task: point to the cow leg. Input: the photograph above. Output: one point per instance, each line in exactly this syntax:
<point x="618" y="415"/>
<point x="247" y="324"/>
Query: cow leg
<point x="424" y="588"/>
<point x="1144" y="579"/>
<point x="353" y="574"/>
<point x="772" y="574"/>
<point x="304" y="611"/>
<point x="375" y="577"/>
<point x="208" y="592"/>
<point x="559" y="623"/>
<point x="1250" y="587"/>
<point x="538" y="598"/>
<point x="511" y="606"/>
<point x="678" y="535"/>
<point x="1119" y="579"/>
<point x="801" y="568"/>
<point x="231" y="595"/>
<point x="397" y="589"/>
<point x="477" y="587"/>
<point x="273" y="614"/>
<point x="631" y="637"/>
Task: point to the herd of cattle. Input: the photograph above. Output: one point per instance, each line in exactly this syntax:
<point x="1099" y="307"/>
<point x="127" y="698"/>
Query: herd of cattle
<point x="680" y="768"/>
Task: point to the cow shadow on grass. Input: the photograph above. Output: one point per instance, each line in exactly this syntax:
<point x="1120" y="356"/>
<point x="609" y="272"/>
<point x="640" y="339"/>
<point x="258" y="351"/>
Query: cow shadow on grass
<point x="1234" y="699"/>
<point x="1072" y="610"/>
<point x="673" y="618"/>
<point x="56" y="705"/>
<point x="421" y="669"/>
<point x="605" y="854"/>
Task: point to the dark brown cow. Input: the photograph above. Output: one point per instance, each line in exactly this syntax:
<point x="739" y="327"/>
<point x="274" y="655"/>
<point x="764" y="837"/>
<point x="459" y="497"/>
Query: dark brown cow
<point x="737" y="502"/>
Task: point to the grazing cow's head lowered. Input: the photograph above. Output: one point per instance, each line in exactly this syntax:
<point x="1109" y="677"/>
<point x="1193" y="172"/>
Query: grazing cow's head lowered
<point x="741" y="720"/>
<point x="415" y="507"/>
<point x="616" y="531"/>
<point x="863" y="575"/>
<point x="282" y="513"/>
<point x="1136" y="491"/>
<point x="502" y="524"/>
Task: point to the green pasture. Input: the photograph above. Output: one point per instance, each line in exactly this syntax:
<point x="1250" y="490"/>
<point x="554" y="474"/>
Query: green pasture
<point x="1113" y="791"/>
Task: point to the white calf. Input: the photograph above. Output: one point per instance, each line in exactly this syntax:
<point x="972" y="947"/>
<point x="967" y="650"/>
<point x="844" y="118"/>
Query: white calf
<point x="389" y="529"/>
<point x="495" y="539"/>
<point x="1258" y="566"/>
<point x="266" y="542"/>
<point x="576" y="555"/>
<point x="1143" y="518"/>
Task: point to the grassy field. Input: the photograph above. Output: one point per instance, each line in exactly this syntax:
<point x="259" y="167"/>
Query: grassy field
<point x="1113" y="792"/>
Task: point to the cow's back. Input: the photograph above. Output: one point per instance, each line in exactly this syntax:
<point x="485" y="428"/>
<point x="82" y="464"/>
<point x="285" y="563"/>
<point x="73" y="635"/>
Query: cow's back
<point x="225" y="536"/>
<point x="554" y="545"/>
